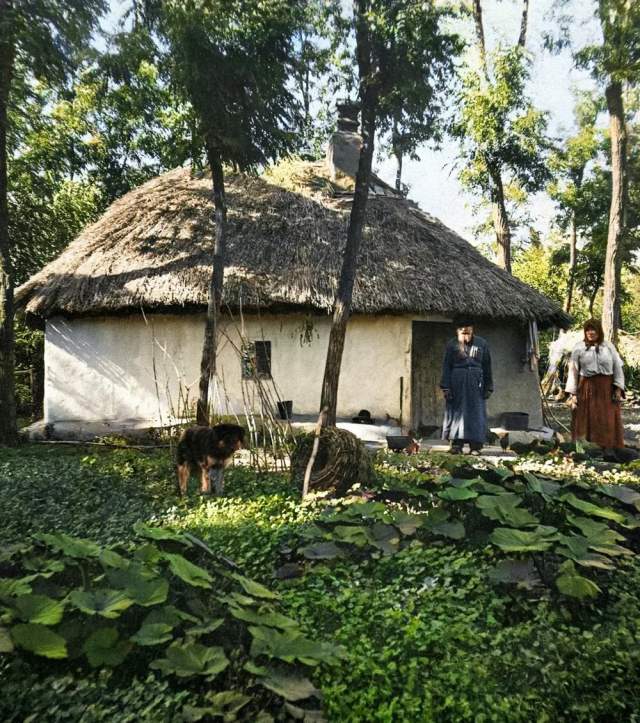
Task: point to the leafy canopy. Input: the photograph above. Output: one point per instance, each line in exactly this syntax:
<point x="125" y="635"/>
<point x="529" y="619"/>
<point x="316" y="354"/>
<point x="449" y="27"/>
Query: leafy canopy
<point x="232" y="60"/>
<point x="499" y="128"/>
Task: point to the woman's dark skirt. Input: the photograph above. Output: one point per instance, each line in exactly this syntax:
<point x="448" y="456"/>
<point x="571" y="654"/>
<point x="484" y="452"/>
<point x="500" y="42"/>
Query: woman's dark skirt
<point x="597" y="417"/>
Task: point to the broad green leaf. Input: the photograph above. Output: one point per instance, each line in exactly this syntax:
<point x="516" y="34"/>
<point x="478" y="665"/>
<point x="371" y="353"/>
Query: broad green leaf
<point x="464" y="483"/>
<point x="270" y="618"/>
<point x="168" y="615"/>
<point x="504" y="508"/>
<point x="6" y="644"/>
<point x="104" y="602"/>
<point x="545" y="487"/>
<point x="537" y="540"/>
<point x="491" y="489"/>
<point x="624" y="494"/>
<point x="70" y="546"/>
<point x="573" y="585"/>
<point x="189" y="659"/>
<point x="384" y="537"/>
<point x="141" y="585"/>
<point x="406" y="522"/>
<point x="599" y="536"/>
<point x="351" y="534"/>
<point x="321" y="551"/>
<point x="594" y="531"/>
<point x="289" y="686"/>
<point x="149" y="554"/>
<point x="253" y="588"/>
<point x="226" y="705"/>
<point x="153" y="634"/>
<point x="104" y="648"/>
<point x="39" y="639"/>
<point x="187" y="571"/>
<point x="204" y="628"/>
<point x="290" y="646"/>
<point x="517" y="572"/>
<point x="109" y="558"/>
<point x="588" y="559"/>
<point x="39" y="609"/>
<point x="367" y="510"/>
<point x="159" y="533"/>
<point x="456" y="494"/>
<point x="592" y="509"/>
<point x="45" y="567"/>
<point x="454" y="529"/>
<point x="12" y="587"/>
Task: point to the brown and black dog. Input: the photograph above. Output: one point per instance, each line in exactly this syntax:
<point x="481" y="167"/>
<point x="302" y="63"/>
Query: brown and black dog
<point x="210" y="450"/>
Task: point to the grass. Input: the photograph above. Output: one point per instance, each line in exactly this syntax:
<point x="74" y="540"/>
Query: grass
<point x="428" y="636"/>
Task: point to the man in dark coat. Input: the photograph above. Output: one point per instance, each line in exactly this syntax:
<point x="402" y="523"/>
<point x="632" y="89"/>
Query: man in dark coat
<point x="467" y="383"/>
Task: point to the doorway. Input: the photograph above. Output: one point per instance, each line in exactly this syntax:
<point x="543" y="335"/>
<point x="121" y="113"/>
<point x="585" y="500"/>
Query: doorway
<point x="428" y="342"/>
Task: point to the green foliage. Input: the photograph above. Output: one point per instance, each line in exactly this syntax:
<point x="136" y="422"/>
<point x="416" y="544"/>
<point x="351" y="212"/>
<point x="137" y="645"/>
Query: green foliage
<point x="499" y="130"/>
<point x="442" y="628"/>
<point x="65" y="623"/>
<point x="537" y="266"/>
<point x="231" y="61"/>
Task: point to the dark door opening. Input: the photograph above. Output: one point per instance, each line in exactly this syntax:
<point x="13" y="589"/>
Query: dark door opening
<point x="428" y="341"/>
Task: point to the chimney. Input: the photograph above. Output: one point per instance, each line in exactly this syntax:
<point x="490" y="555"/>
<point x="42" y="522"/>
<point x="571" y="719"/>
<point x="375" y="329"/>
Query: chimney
<point x="343" y="153"/>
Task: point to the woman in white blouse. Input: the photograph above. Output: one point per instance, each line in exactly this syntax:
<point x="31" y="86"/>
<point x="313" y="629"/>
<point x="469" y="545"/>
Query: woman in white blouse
<point x="596" y="385"/>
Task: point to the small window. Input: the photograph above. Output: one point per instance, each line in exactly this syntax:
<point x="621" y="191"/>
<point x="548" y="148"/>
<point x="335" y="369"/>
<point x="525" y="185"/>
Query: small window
<point x="256" y="360"/>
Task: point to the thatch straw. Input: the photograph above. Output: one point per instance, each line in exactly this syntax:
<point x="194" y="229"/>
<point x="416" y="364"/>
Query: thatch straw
<point x="153" y="249"/>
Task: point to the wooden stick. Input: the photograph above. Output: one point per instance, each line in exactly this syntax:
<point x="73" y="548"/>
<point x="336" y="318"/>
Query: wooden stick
<point x="314" y="451"/>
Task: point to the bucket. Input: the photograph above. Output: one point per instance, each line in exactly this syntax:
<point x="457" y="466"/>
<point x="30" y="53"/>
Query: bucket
<point x="397" y="443"/>
<point x="515" y="421"/>
<point x="285" y="409"/>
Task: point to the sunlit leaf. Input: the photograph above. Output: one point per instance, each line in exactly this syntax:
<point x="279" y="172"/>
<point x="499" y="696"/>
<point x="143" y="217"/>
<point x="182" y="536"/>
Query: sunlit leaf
<point x="189" y="659"/>
<point x="39" y="609"/>
<point x="187" y="571"/>
<point x="104" y="602"/>
<point x="153" y="634"/>
<point x="39" y="639"/>
<point x="70" y="546"/>
<point x="290" y="686"/>
<point x="592" y="509"/>
<point x="251" y="587"/>
<point x="573" y="585"/>
<point x="537" y="540"/>
<point x="159" y="533"/>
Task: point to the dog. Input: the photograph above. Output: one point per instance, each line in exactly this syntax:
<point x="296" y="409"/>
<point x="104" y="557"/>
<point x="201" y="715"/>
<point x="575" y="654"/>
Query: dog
<point x="210" y="450"/>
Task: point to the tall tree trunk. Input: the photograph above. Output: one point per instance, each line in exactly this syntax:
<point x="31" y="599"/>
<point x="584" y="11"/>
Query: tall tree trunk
<point x="342" y="302"/>
<point x="209" y="347"/>
<point x="8" y="422"/>
<point x="477" y="18"/>
<point x="523" y="24"/>
<point x="573" y="258"/>
<point x="501" y="221"/>
<point x="397" y="152"/>
<point x="613" y="258"/>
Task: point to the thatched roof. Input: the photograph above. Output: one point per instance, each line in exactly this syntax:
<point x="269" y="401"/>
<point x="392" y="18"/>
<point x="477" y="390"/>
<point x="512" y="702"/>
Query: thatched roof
<point x="286" y="231"/>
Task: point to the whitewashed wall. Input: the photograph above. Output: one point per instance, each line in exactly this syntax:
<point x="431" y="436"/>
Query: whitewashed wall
<point x="103" y="368"/>
<point x="135" y="372"/>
